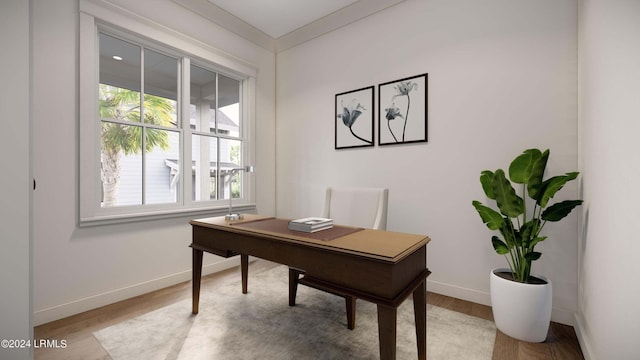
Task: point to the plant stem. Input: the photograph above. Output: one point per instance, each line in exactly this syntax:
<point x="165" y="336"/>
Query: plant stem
<point x="541" y="227"/>
<point x="524" y="216"/>
<point x="510" y="263"/>
<point x="516" y="253"/>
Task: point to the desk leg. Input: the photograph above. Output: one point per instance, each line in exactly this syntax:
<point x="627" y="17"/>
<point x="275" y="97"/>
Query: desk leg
<point x="244" y="268"/>
<point x="387" y="317"/>
<point x="420" y="311"/>
<point x="197" y="275"/>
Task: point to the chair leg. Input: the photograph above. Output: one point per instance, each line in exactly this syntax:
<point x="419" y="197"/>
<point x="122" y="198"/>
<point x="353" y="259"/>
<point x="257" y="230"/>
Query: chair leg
<point x="294" y="276"/>
<point x="351" y="311"/>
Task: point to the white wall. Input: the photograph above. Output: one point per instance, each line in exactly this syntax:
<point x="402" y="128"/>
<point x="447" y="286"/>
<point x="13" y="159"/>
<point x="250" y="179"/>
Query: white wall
<point x="76" y="269"/>
<point x="502" y="79"/>
<point x="608" y="316"/>
<point x="15" y="213"/>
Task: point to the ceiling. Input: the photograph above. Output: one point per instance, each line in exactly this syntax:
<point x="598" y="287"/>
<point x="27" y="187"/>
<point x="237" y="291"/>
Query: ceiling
<point x="280" y="17"/>
<point x="281" y="24"/>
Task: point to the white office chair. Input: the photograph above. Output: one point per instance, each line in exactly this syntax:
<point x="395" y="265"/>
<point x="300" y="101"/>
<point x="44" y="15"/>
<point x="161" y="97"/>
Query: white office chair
<point x="357" y="207"/>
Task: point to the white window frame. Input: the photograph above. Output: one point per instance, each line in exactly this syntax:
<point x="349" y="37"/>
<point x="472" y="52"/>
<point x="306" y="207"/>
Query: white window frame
<point x="94" y="16"/>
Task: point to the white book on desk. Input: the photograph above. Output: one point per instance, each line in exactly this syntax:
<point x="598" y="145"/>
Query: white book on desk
<point x="310" y="224"/>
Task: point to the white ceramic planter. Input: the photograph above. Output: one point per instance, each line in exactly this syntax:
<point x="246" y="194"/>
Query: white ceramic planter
<point x="522" y="311"/>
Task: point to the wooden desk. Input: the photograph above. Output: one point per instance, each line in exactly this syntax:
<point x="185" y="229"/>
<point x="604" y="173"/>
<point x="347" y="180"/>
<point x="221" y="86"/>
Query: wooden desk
<point x="382" y="267"/>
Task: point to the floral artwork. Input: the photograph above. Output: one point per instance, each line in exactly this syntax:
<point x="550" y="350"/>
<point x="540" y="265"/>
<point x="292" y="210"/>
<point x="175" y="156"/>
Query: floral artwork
<point x="403" y="111"/>
<point x="354" y="118"/>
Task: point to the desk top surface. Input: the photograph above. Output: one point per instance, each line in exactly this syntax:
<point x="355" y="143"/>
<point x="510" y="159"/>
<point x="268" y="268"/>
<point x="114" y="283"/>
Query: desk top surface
<point x="383" y="245"/>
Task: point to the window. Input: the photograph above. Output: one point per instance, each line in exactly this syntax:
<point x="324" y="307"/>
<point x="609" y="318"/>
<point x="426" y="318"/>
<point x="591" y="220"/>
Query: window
<point x="140" y="131"/>
<point x="215" y="137"/>
<point x="161" y="128"/>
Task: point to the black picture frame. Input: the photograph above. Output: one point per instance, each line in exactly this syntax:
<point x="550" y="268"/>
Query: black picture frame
<point x="403" y="108"/>
<point x="354" y="126"/>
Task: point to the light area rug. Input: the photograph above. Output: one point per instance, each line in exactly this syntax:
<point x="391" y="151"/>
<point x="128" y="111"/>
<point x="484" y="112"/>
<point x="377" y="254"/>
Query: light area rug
<point x="261" y="325"/>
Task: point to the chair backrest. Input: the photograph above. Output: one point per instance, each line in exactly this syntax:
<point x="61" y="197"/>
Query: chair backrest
<point x="361" y="207"/>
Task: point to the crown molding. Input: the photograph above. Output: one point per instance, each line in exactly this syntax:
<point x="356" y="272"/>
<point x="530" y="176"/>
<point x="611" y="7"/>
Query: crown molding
<point x="230" y="22"/>
<point x="345" y="16"/>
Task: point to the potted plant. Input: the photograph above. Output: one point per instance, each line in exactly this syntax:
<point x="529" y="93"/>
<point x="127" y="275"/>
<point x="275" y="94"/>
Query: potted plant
<point x="521" y="302"/>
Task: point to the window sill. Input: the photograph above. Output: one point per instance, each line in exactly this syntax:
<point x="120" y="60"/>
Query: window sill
<point x="159" y="215"/>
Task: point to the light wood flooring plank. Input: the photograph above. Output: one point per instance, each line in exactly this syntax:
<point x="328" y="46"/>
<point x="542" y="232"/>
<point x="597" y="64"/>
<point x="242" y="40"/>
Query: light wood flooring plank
<point x="77" y="330"/>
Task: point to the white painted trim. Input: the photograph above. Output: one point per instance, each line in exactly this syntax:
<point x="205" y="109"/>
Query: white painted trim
<point x="562" y="316"/>
<point x="228" y="21"/>
<point x="343" y="17"/>
<point x="93" y="302"/>
<point x="95" y="14"/>
<point x="157" y="215"/>
<point x="125" y="19"/>
<point x="457" y="292"/>
<point x="583" y="339"/>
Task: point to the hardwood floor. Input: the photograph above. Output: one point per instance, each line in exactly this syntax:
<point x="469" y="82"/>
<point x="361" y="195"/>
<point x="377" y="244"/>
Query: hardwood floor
<point x="561" y="343"/>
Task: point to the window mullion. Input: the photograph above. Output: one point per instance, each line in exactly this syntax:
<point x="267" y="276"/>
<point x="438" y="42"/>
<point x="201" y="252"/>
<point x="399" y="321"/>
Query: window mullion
<point x="184" y="104"/>
<point x="219" y="177"/>
<point x="143" y="127"/>
<point x="181" y="133"/>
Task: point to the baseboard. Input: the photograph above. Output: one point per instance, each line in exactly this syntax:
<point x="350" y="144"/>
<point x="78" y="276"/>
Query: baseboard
<point x="93" y="302"/>
<point x="458" y="292"/>
<point x="583" y="339"/>
<point x="563" y="316"/>
<point x="558" y="315"/>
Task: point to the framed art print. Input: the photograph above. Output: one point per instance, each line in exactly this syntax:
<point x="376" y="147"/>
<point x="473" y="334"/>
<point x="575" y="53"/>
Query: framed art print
<point x="354" y="118"/>
<point x="402" y="110"/>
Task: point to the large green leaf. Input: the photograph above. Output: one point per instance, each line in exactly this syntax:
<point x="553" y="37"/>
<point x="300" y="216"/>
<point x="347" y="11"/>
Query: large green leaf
<point x="486" y="177"/>
<point x="532" y="256"/>
<point x="537" y="172"/>
<point x="535" y="241"/>
<point x="509" y="203"/>
<point x="551" y="186"/>
<point x="520" y="168"/>
<point x="499" y="246"/>
<point x="558" y="211"/>
<point x="490" y="217"/>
